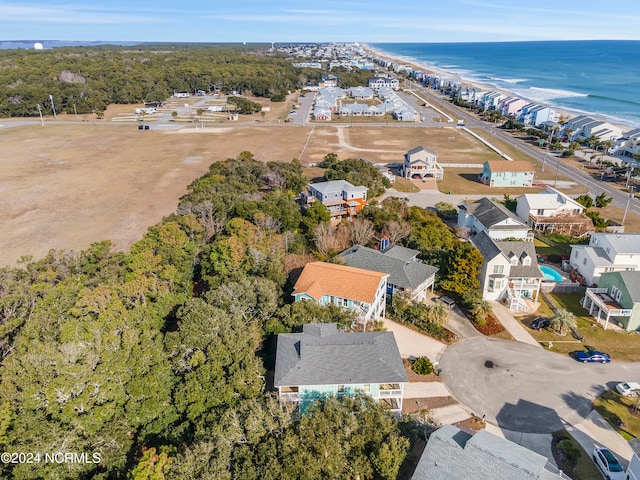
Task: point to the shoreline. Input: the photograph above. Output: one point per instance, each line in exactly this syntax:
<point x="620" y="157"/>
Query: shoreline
<point x="563" y="113"/>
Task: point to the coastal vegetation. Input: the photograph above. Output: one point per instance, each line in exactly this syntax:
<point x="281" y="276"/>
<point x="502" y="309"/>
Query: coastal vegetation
<point x="88" y="79"/>
<point x="155" y="359"/>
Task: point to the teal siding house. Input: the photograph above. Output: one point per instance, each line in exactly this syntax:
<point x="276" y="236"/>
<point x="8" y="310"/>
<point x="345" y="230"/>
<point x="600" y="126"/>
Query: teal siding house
<point x="504" y="173"/>
<point x="322" y="361"/>
<point x="350" y="288"/>
<point x="616" y="299"/>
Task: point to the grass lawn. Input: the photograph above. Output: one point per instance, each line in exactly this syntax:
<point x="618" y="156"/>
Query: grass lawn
<point x="571" y="457"/>
<point x="621" y="346"/>
<point x="543" y="248"/>
<point x="404" y="185"/>
<point x="614" y="407"/>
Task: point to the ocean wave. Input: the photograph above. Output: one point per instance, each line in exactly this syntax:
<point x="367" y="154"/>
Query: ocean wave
<point x="509" y="80"/>
<point x="542" y="95"/>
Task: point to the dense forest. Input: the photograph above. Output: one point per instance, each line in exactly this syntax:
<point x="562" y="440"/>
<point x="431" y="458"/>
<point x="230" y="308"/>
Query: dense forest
<point x="156" y="359"/>
<point x="88" y="79"/>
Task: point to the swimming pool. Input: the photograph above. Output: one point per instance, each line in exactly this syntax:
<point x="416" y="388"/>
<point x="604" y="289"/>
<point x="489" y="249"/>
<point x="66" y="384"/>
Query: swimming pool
<point x="550" y="274"/>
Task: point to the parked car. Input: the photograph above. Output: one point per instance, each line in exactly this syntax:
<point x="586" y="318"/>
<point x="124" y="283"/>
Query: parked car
<point x="608" y="464"/>
<point x="540" y="323"/>
<point x="628" y="389"/>
<point x="592" y="356"/>
<point x="447" y="301"/>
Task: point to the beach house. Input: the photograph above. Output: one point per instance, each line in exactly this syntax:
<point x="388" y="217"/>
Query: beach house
<point x="628" y="145"/>
<point x="502" y="173"/>
<point x="584" y="126"/>
<point x="342" y="199"/>
<point x="510" y="106"/>
<point x="380" y="82"/>
<point x="407" y="274"/>
<point x="536" y="114"/>
<point x="553" y="211"/>
<point x="363" y="291"/>
<point x="615" y="299"/>
<point x="421" y="162"/>
<point x="606" y="252"/>
<point x="510" y="272"/>
<point x="490" y="216"/>
<point x="323" y="361"/>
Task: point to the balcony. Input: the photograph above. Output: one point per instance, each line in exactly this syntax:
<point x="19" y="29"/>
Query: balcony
<point x="390" y="393"/>
<point x="293" y="397"/>
<point x="600" y="299"/>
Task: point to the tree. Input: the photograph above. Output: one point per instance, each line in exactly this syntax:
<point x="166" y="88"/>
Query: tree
<point x="462" y="266"/>
<point x="446" y="210"/>
<point x="563" y="321"/>
<point x="361" y="231"/>
<point x="151" y="466"/>
<point x="314" y="215"/>
<point x="481" y="310"/>
<point x="396" y="231"/>
<point x="602" y="200"/>
<point x="585" y="200"/>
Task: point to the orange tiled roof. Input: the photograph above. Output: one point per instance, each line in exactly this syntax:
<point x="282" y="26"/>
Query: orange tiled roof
<point x="507" y="166"/>
<point x="320" y="278"/>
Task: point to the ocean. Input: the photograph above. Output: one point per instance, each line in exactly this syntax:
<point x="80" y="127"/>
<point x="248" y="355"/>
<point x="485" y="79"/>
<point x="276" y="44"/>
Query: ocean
<point x="595" y="77"/>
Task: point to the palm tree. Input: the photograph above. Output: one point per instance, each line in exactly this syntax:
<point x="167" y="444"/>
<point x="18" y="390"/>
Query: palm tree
<point x="563" y="321"/>
<point x="438" y="313"/>
<point x="480" y="310"/>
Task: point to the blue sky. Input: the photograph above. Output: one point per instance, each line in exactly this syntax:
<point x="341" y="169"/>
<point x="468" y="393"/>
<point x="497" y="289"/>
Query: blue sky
<point x="420" y="21"/>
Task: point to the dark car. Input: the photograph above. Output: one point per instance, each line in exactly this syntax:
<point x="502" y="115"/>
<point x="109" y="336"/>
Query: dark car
<point x="540" y="323"/>
<point x="592" y="356"/>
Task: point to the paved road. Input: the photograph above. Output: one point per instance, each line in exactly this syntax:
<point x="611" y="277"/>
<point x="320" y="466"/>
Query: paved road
<point x="523" y="388"/>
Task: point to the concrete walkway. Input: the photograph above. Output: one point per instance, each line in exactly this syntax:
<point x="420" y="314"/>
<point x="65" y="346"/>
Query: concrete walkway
<point x="594" y="431"/>
<point x="514" y="327"/>
<point x="425" y="390"/>
<point x="412" y="344"/>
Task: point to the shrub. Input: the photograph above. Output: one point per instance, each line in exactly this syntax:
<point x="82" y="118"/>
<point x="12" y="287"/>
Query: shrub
<point x="422" y="366"/>
<point x="572" y="451"/>
<point x="446" y="210"/>
<point x="554" y="258"/>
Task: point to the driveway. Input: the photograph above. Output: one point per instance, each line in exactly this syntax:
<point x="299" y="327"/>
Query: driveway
<point x="524" y="388"/>
<point x="413" y="344"/>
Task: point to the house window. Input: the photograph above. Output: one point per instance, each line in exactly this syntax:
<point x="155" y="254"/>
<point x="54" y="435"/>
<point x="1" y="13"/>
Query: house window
<point x="345" y="302"/>
<point x="615" y="293"/>
<point x="584" y="262"/>
<point x="491" y="283"/>
<point x="540" y="211"/>
<point x="366" y="387"/>
<point x="526" y="261"/>
<point x="498" y="268"/>
<point x="514" y="260"/>
<point x="341" y="390"/>
<point x="498" y="284"/>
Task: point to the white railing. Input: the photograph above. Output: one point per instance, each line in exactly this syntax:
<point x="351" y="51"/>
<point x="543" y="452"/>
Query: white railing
<point x="290" y="397"/>
<point x="390" y="393"/>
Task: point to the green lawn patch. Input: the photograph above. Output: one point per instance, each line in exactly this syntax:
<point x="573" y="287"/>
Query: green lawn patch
<point x="571" y="457"/>
<point x="615" y="408"/>
<point x="622" y="346"/>
<point x="543" y="248"/>
<point x="404" y="185"/>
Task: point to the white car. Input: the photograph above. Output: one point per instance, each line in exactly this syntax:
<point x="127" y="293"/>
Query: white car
<point x="608" y="464"/>
<point x="628" y="389"/>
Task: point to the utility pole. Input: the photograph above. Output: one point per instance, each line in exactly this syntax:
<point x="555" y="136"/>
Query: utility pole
<point x="624" y="217"/>
<point x="40" y="112"/>
<point x="53" y="107"/>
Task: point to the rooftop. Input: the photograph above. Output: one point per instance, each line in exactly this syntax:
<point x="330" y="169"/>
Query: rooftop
<point x="320" y="278"/>
<point x="510" y="166"/>
<point x="490" y="213"/>
<point x="322" y="355"/>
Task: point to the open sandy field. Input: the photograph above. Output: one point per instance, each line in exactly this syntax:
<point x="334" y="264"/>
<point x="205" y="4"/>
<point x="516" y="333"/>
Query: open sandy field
<point x="67" y="186"/>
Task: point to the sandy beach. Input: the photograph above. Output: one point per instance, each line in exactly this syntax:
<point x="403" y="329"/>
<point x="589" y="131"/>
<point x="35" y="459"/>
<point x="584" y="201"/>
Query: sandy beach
<point x="563" y="114"/>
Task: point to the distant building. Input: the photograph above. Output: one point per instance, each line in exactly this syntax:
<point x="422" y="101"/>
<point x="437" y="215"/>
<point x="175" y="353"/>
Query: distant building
<point x="329" y="80"/>
<point x="322" y="361"/>
<point x="380" y="82"/>
<point x="503" y="173"/>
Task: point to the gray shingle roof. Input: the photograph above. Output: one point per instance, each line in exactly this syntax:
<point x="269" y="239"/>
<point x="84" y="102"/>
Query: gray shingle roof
<point x="323" y="356"/>
<point x="396" y="261"/>
<point x="486" y="245"/>
<point x="520" y="250"/>
<point x="488" y="213"/>
<point x="452" y="454"/>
